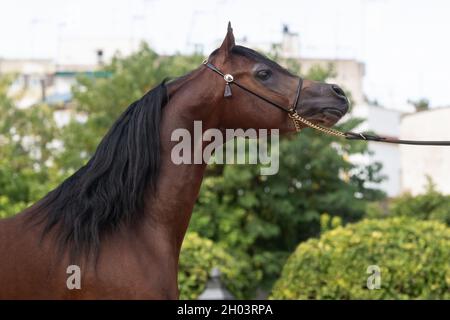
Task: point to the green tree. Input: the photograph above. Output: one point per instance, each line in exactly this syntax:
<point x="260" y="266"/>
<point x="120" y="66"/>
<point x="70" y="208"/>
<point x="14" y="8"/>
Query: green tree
<point x="431" y="205"/>
<point x="422" y="104"/>
<point x="26" y="161"/>
<point x="198" y="256"/>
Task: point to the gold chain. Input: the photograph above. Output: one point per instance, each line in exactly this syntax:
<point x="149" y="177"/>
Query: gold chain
<point x="296" y="118"/>
<point x="296" y="123"/>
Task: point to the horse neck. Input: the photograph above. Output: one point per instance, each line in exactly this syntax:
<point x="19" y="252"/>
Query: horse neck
<point x="169" y="210"/>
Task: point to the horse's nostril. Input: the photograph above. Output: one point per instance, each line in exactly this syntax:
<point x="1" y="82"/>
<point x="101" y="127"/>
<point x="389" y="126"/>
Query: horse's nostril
<point x="338" y="91"/>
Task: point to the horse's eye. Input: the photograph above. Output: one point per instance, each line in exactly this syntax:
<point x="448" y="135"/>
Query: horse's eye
<point x="263" y="74"/>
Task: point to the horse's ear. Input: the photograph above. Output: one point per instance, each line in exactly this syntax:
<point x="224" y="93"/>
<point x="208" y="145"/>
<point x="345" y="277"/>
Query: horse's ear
<point x="228" y="42"/>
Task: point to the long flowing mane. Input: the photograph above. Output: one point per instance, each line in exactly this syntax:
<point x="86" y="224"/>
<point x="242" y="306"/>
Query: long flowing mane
<point x="108" y="191"/>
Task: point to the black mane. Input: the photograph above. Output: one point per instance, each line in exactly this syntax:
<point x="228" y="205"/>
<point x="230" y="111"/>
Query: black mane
<point x="256" y="56"/>
<point x="109" y="190"/>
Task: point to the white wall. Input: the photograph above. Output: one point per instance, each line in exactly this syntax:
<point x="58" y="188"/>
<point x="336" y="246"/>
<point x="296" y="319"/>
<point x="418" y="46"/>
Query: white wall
<point x="387" y="123"/>
<point x="389" y="156"/>
<point x="420" y="161"/>
<point x="349" y="74"/>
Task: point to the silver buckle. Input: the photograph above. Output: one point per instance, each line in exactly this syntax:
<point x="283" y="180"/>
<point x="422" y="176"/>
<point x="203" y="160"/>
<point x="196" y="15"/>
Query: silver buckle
<point x="228" y="78"/>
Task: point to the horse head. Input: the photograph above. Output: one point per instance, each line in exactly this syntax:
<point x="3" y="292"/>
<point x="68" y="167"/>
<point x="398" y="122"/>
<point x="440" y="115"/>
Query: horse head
<point x="262" y="84"/>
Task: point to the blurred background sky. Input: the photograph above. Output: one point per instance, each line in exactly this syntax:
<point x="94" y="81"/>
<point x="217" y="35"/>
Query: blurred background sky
<point x="403" y="43"/>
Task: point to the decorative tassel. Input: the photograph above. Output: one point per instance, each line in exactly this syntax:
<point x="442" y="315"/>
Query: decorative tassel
<point x="227" y="93"/>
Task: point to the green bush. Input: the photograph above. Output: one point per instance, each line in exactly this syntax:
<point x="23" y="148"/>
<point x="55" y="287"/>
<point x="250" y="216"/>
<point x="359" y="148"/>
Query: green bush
<point x="8" y="209"/>
<point x="413" y="257"/>
<point x="199" y="256"/>
<point x="431" y="205"/>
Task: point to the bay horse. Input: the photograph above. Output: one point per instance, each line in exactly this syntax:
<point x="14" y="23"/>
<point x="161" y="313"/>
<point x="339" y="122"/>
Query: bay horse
<point x="122" y="217"/>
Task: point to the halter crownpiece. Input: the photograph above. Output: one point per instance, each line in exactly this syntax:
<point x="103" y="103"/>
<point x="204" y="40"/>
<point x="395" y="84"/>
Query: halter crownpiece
<point x="297" y="119"/>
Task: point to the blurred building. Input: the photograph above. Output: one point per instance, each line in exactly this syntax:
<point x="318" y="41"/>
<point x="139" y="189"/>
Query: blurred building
<point x="32" y="78"/>
<point x="42" y="80"/>
<point x="404" y="167"/>
<point x="349" y="73"/>
<point x="385" y="122"/>
<point x="418" y="162"/>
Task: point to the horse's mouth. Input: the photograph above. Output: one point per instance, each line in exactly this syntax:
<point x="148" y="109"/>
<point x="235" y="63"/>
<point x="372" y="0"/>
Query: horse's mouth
<point x="335" y="112"/>
<point x="327" y="117"/>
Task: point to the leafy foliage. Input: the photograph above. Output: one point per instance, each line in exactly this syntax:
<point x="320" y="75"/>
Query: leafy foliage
<point x="422" y="104"/>
<point x="199" y="256"/>
<point x="26" y="137"/>
<point x="431" y="205"/>
<point x="412" y="255"/>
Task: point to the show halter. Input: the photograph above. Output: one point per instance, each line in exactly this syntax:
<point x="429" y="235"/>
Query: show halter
<point x="297" y="119"/>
